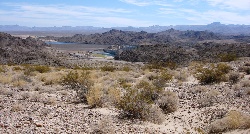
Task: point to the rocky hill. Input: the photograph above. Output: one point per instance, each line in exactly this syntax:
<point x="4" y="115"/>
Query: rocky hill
<point x="18" y="51"/>
<point x="118" y="37"/>
<point x="183" y="54"/>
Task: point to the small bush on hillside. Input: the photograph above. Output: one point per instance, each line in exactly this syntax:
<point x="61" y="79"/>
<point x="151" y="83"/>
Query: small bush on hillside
<point x="212" y="74"/>
<point x="161" y="65"/>
<point x="148" y="90"/>
<point x="29" y="69"/>
<point x="168" y="101"/>
<point x="227" y="57"/>
<point x="95" y="96"/>
<point x="108" y="68"/>
<point x="208" y="99"/>
<point x="234" y="120"/>
<point x="126" y="69"/>
<point x="81" y="83"/>
<point x="234" y="77"/>
<point x="134" y="104"/>
<point x="160" y="81"/>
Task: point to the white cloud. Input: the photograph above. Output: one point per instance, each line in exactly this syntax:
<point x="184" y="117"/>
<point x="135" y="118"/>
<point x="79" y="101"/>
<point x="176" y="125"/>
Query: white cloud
<point x="50" y="15"/>
<point x="231" y="4"/>
<point x="147" y="2"/>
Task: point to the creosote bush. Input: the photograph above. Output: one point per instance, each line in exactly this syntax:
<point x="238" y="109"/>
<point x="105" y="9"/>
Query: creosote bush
<point x="227" y="57"/>
<point x="81" y="83"/>
<point x="212" y="74"/>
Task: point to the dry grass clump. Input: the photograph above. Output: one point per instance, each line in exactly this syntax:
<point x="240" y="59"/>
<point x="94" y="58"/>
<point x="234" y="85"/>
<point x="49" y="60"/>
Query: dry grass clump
<point x="168" y="101"/>
<point x="104" y="126"/>
<point x="114" y="96"/>
<point x="95" y="96"/>
<point x="108" y="68"/>
<point x="212" y="74"/>
<point x="52" y="78"/>
<point x="49" y="100"/>
<point x="155" y="115"/>
<point x="233" y="120"/>
<point x="6" y="79"/>
<point x="17" y="68"/>
<point x="181" y="75"/>
<point x="208" y="99"/>
<point x="81" y="83"/>
<point x="30" y="69"/>
<point x="126" y="69"/>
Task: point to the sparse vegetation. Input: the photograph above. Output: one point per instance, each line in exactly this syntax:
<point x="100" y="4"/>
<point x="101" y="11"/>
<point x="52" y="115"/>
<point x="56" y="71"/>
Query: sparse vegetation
<point x="108" y="68"/>
<point x="168" y="101"/>
<point x="81" y="83"/>
<point x="233" y="120"/>
<point x="212" y="73"/>
<point x="227" y="57"/>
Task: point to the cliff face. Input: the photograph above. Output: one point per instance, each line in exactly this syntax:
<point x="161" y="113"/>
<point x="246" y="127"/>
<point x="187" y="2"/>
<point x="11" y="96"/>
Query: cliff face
<point x="19" y="51"/>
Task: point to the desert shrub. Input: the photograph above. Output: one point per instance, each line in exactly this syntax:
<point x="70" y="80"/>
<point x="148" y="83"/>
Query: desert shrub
<point x="161" y="65"/>
<point x="104" y="126"/>
<point x="17" y="68"/>
<point x="134" y="104"/>
<point x="155" y="115"/>
<point x="234" y="78"/>
<point x="108" y="68"/>
<point x="126" y="69"/>
<point x="6" y="79"/>
<point x="114" y="96"/>
<point x="124" y="83"/>
<point x="25" y="95"/>
<point x="42" y="69"/>
<point x="81" y="83"/>
<point x="36" y="97"/>
<point x="160" y="81"/>
<point x="168" y="101"/>
<point x="95" y="96"/>
<point x="2" y="70"/>
<point x="208" y="99"/>
<point x="233" y="120"/>
<point x="29" y="69"/>
<point x="227" y="57"/>
<point x="212" y="74"/>
<point x="150" y="91"/>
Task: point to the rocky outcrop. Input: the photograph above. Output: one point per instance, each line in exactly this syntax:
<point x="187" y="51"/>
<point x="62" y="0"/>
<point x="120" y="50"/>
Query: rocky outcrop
<point x="18" y="51"/>
<point x="182" y="54"/>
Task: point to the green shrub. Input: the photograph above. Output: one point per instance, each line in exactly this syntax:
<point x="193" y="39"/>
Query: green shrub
<point x="108" y="68"/>
<point x="212" y="74"/>
<point x="227" y="57"/>
<point x="81" y="83"/>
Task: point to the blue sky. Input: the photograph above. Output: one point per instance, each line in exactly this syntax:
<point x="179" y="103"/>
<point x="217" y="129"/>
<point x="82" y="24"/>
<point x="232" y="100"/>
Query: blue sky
<point x="113" y="13"/>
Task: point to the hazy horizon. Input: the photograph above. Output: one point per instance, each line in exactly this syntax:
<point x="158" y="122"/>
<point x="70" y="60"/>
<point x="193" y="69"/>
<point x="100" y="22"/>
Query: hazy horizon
<point x="122" y="13"/>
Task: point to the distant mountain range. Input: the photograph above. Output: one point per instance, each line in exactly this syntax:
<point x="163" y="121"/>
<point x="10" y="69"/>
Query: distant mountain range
<point x="215" y="27"/>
